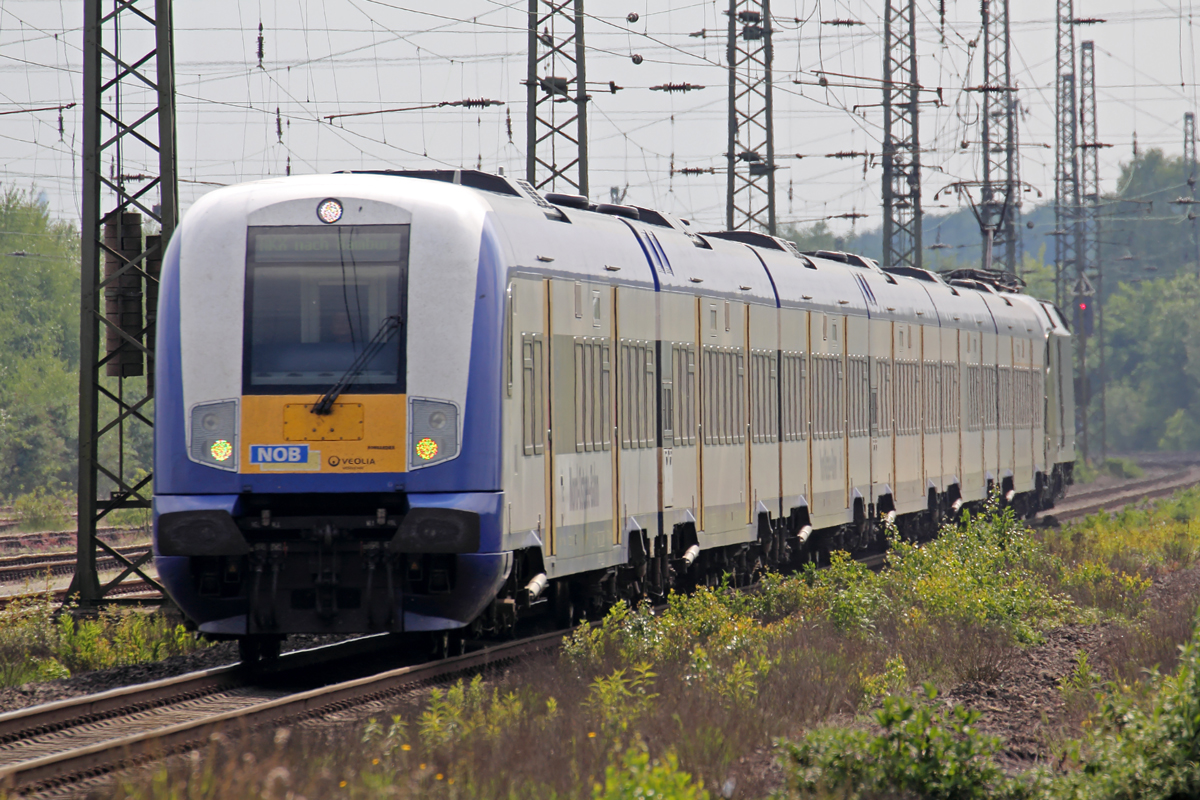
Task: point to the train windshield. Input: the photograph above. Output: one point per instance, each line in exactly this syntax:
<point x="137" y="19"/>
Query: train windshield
<point x="315" y="299"/>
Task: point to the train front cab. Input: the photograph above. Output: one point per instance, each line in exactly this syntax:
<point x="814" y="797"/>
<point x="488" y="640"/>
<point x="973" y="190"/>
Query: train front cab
<point x="383" y="514"/>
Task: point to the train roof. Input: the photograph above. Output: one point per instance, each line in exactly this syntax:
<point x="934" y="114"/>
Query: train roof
<point x="570" y="237"/>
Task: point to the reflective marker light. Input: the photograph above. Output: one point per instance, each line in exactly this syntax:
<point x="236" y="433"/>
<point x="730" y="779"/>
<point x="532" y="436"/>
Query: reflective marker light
<point x="427" y="448"/>
<point x="221" y="450"/>
<point x="329" y="211"/>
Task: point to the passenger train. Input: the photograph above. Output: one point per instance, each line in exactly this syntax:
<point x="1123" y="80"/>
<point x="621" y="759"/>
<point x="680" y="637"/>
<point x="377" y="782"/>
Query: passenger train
<point x="437" y="401"/>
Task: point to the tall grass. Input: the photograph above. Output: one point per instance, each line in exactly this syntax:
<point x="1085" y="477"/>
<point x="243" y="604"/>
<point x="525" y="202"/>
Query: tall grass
<point x="676" y="700"/>
<point x="40" y="642"/>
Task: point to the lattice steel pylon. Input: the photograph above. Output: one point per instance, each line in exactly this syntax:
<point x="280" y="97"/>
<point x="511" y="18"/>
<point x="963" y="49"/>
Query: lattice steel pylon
<point x="1068" y="233"/>
<point x="901" y="137"/>
<point x="1000" y="195"/>
<point x="1189" y="163"/>
<point x="750" y="188"/>
<point x="1089" y="216"/>
<point x="128" y="131"/>
<point x="557" y="79"/>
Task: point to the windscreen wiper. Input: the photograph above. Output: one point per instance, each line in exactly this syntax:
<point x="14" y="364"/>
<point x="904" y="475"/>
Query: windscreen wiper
<point x="386" y="330"/>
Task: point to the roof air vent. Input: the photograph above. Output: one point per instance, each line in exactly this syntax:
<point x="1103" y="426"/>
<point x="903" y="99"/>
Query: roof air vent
<point x="568" y="200"/>
<point x="620" y="211"/>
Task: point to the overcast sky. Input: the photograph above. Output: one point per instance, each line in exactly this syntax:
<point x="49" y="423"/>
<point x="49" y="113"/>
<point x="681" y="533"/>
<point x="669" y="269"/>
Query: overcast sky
<point x="328" y="57"/>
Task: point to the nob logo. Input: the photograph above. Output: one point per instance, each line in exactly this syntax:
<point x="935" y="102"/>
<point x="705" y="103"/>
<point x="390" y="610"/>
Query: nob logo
<point x="334" y="461"/>
<point x="279" y="454"/>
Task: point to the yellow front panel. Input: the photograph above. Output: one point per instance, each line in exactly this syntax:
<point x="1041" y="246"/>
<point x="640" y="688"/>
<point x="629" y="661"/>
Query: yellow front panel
<point x="343" y="423"/>
<point x="364" y="433"/>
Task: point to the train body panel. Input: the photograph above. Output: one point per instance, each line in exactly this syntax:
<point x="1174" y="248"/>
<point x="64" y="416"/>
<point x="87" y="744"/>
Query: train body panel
<point x="598" y="403"/>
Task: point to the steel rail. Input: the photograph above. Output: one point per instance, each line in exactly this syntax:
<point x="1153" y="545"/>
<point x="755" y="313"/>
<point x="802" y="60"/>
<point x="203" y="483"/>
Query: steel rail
<point x="73" y="763"/>
<point x="14" y="568"/>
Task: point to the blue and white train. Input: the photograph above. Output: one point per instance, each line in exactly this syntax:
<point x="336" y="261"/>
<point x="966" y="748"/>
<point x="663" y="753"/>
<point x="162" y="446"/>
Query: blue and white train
<point x="437" y="401"/>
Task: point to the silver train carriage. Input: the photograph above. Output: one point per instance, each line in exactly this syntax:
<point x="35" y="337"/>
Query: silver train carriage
<point x="418" y="401"/>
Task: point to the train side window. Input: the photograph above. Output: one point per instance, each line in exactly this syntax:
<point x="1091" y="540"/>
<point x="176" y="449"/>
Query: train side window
<point x="773" y="397"/>
<point x="739" y="397"/>
<point x="605" y="398"/>
<point x="818" y="404"/>
<point x="884" y="409"/>
<point x="756" y="398"/>
<point x="950" y="410"/>
<point x="580" y="388"/>
<point x="596" y="412"/>
<point x="667" y="399"/>
<point x="595" y="309"/>
<point x="532" y="416"/>
<point x="726" y="405"/>
<point x="706" y="395"/>
<point x="649" y="437"/>
<point x="689" y="383"/>
<point x="578" y="300"/>
<point x="1006" y="397"/>
<point x="510" y="334"/>
<point x="623" y="412"/>
<point x="932" y="399"/>
<point x="637" y="436"/>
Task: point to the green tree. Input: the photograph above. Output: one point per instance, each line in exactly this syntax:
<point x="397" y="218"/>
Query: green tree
<point x="1153" y="355"/>
<point x="39" y="345"/>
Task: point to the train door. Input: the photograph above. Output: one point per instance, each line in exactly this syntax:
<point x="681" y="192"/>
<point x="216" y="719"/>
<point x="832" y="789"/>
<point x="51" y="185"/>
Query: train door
<point x="974" y="469"/>
<point x="794" y="409"/>
<point x="950" y="400"/>
<point x="581" y="385"/>
<point x="637" y="411"/>
<point x="858" y="409"/>
<point x="679" y="371"/>
<point x="882" y="453"/>
<point x="931" y="384"/>
<point x="723" y="424"/>
<point x="1023" y="457"/>
<point x="909" y="487"/>
<point x="527" y="397"/>
<point x="830" y="496"/>
<point x="1005" y="349"/>
<point x="991" y="406"/>
<point x="763" y="492"/>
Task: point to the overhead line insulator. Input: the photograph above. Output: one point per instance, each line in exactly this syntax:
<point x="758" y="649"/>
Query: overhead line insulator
<point x="675" y="87"/>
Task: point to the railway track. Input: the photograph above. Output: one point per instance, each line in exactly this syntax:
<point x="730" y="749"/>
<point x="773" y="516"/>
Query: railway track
<point x="16" y="568"/>
<point x="50" y="746"/>
<point x="127" y="589"/>
<point x="1114" y="498"/>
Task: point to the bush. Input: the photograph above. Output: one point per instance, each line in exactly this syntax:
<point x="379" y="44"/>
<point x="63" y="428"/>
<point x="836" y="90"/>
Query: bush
<point x="636" y="777"/>
<point x="1139" y="749"/>
<point x="920" y="753"/>
<point x="37" y="642"/>
<point x="1122" y="468"/>
<point x="42" y="510"/>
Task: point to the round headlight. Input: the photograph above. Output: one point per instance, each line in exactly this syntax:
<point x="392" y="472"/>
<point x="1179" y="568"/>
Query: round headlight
<point x="437" y="420"/>
<point x="209" y="422"/>
<point x="427" y="448"/>
<point x="329" y="211"/>
<point x="221" y="450"/>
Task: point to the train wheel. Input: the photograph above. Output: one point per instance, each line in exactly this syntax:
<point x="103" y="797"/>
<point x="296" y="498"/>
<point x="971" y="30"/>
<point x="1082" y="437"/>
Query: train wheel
<point x="249" y="650"/>
<point x="562" y="605"/>
<point x="253" y="650"/>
